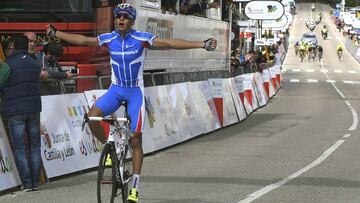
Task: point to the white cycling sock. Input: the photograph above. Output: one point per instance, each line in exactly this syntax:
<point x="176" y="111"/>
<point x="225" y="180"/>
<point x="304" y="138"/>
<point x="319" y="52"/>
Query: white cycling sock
<point x="135" y="181"/>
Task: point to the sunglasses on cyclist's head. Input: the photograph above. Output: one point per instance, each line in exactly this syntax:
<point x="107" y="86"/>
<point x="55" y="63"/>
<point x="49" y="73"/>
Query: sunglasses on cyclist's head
<point x="124" y="15"/>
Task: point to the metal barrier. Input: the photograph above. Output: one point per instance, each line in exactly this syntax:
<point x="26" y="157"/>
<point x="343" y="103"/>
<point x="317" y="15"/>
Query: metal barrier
<point x="161" y="78"/>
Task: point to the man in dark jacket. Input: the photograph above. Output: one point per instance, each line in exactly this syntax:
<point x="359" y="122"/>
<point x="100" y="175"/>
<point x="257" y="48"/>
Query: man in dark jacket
<point x="22" y="107"/>
<point x="49" y="61"/>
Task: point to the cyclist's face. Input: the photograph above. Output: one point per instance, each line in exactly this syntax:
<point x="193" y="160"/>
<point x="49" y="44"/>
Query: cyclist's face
<point x="123" y="23"/>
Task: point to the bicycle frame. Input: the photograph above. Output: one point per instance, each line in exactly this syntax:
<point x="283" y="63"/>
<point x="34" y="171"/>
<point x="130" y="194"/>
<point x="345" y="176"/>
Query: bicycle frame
<point x="119" y="138"/>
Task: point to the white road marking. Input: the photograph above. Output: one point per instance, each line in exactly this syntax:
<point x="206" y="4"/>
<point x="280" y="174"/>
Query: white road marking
<point x="310" y="70"/>
<point x="324" y="70"/>
<point x="347" y="136"/>
<point x="338" y="71"/>
<point x="294" y="80"/>
<point x="355" y="120"/>
<point x="263" y="191"/>
<point x="312" y="80"/>
<point x="331" y="81"/>
<point x="352" y="72"/>
<point x="347" y="103"/>
<point x="296" y="70"/>
<point x="351" y="82"/>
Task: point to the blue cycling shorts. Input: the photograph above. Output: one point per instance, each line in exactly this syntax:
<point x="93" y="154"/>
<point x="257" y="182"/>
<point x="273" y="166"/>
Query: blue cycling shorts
<point x="134" y="96"/>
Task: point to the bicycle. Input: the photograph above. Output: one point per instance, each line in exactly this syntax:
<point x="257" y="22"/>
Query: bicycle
<point x="302" y="55"/>
<point x="339" y="54"/>
<point x="320" y="53"/>
<point x="116" y="175"/>
<point x="312" y="54"/>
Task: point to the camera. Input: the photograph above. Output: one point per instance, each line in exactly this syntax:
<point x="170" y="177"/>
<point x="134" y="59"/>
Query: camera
<point x="74" y="71"/>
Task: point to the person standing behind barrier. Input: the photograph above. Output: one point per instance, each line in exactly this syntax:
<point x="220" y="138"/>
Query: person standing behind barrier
<point x="49" y="61"/>
<point x="127" y="48"/>
<point x="32" y="43"/>
<point x="22" y="107"/>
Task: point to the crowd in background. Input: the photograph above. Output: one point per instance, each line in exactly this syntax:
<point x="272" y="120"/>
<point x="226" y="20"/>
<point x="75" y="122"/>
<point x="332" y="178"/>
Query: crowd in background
<point x="257" y="57"/>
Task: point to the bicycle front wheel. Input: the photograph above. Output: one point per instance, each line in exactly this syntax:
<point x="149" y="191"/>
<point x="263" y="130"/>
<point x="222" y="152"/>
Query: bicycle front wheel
<point x="106" y="179"/>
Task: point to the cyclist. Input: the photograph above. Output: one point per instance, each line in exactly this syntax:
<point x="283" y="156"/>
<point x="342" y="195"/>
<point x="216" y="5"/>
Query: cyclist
<point x="311" y="52"/>
<point x="324" y="32"/>
<point x="127" y="49"/>
<point x="302" y="50"/>
<point x="319" y="16"/>
<point x="320" y="52"/>
<point x="296" y="47"/>
<point x="339" y="50"/>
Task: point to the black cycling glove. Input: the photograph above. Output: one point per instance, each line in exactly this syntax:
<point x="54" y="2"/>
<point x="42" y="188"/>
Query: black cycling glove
<point x="207" y="45"/>
<point x="51" y="31"/>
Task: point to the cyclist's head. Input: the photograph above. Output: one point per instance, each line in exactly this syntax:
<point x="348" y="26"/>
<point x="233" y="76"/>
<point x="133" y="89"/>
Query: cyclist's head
<point x="125" y="10"/>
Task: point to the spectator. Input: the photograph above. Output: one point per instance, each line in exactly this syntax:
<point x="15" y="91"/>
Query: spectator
<point x="49" y="61"/>
<point x="2" y="55"/>
<point x="196" y="7"/>
<point x="169" y="6"/>
<point x="226" y="6"/>
<point x="22" y="106"/>
<point x="8" y="47"/>
<point x="32" y="43"/>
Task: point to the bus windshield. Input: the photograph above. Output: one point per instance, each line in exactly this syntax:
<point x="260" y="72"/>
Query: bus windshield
<point x="61" y="6"/>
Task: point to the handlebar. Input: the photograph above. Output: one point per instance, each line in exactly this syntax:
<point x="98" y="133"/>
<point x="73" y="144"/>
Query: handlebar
<point x="110" y="120"/>
<point x="106" y="119"/>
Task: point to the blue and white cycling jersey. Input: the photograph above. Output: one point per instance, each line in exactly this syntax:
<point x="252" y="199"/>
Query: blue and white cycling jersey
<point x="127" y="55"/>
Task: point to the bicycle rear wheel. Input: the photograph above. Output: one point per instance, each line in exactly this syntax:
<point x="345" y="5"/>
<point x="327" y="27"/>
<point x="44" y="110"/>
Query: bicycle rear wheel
<point x="106" y="179"/>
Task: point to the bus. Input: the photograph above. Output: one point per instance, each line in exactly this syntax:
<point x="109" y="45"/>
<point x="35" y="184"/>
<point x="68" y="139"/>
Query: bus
<point x="94" y="17"/>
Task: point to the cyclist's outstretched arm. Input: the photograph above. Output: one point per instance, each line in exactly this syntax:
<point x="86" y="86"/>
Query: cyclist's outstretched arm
<point x="209" y="44"/>
<point x="76" y="39"/>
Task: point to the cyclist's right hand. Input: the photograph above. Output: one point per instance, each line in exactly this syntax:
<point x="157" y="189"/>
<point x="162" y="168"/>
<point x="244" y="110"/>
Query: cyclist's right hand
<point x="51" y="31"/>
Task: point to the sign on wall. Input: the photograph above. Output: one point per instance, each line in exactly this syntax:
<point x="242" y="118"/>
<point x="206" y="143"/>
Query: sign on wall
<point x="264" y="10"/>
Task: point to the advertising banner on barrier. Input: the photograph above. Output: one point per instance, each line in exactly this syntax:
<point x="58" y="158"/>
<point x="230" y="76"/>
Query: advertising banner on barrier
<point x="259" y="84"/>
<point x="230" y="116"/>
<point x="196" y="124"/>
<point x="205" y="105"/>
<point x="250" y="77"/>
<point x="278" y="74"/>
<point x="268" y="84"/>
<point x="273" y="72"/>
<point x="243" y="88"/>
<point x="64" y="147"/>
<point x="161" y="125"/>
<point x="183" y="112"/>
<point x="216" y="86"/>
<point x="9" y="176"/>
<point x="241" y="112"/>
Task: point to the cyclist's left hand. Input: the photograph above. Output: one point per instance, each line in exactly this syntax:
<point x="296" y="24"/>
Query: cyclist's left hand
<point x="210" y="44"/>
